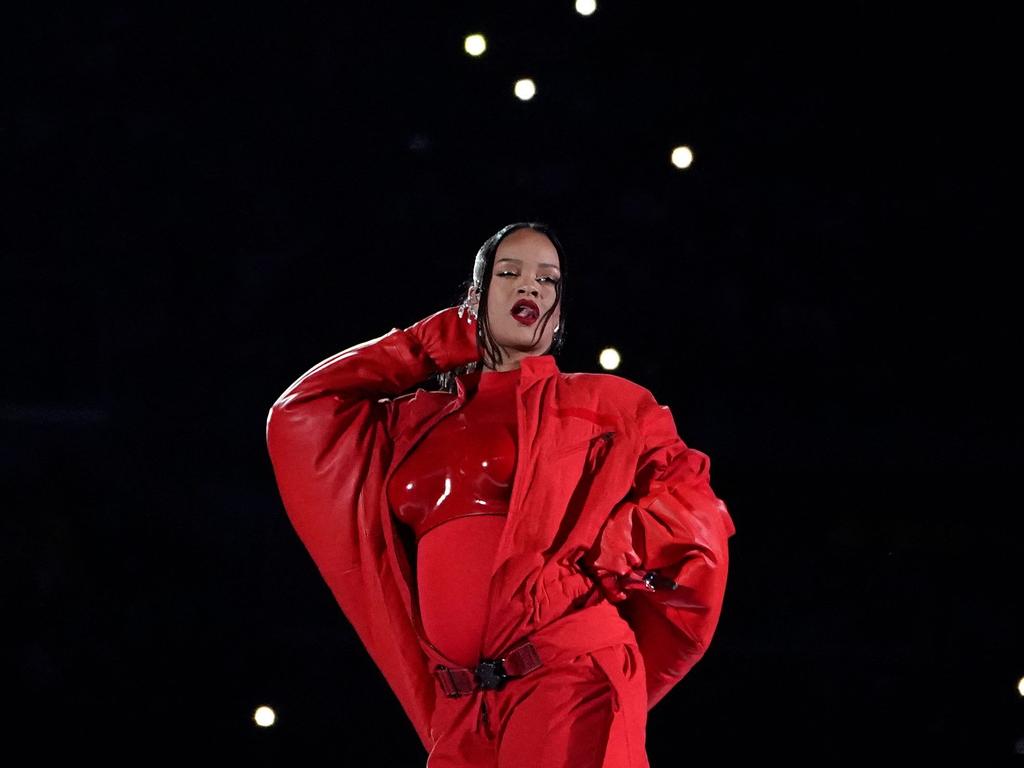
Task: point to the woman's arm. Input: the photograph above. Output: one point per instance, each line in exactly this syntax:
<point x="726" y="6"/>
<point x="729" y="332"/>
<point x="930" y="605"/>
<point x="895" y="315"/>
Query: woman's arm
<point x="673" y="529"/>
<point x="330" y="444"/>
<point x="325" y="430"/>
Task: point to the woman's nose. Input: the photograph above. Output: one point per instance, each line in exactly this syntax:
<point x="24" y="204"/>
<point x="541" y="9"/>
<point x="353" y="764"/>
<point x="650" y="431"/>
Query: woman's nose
<point x="529" y="289"/>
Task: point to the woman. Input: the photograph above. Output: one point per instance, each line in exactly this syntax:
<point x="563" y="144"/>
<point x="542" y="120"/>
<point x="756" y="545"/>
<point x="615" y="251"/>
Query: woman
<point x="533" y="559"/>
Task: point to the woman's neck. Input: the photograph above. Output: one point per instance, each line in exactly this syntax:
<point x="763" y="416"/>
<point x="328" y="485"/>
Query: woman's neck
<point x="511" y="361"/>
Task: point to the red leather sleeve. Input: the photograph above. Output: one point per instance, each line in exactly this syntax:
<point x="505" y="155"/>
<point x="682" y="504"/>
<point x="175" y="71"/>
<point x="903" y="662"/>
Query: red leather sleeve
<point x="326" y="428"/>
<point x="671" y="522"/>
<point x="329" y="439"/>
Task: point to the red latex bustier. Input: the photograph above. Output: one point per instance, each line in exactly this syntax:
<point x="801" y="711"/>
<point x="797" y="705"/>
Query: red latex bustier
<point x="453" y="490"/>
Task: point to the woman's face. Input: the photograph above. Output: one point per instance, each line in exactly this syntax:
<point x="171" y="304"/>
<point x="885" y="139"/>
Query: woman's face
<point x="524" y="273"/>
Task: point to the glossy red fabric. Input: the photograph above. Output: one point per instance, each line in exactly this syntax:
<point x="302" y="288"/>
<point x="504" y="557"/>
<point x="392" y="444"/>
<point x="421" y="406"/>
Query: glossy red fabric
<point x="605" y="489"/>
<point x="453" y="491"/>
<point x="466" y="463"/>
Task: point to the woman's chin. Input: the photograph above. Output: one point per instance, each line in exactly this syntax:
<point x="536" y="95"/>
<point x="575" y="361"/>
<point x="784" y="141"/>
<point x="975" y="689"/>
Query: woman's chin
<point x="526" y="349"/>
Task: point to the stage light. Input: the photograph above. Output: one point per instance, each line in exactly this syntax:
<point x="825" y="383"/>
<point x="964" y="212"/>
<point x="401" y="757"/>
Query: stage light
<point x="682" y="157"/>
<point x="585" y="7"/>
<point x="475" y="44"/>
<point x="609" y="358"/>
<point x="525" y="89"/>
<point x="1020" y="686"/>
<point x="264" y="717"/>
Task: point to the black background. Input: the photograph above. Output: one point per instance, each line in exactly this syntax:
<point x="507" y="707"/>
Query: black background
<point x="200" y="203"/>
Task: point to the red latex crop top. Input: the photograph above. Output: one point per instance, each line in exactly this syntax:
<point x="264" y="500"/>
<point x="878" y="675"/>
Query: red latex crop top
<point x="453" y="490"/>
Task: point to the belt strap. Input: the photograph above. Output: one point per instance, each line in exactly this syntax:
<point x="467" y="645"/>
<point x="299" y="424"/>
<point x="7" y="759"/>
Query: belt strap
<point x="489" y="673"/>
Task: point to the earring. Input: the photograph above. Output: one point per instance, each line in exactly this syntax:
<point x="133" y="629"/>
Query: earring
<point x="472" y="306"/>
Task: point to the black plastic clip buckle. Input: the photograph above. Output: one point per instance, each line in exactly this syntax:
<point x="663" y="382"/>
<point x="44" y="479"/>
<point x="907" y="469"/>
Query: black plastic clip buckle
<point x="655" y="582"/>
<point x="491" y="673"/>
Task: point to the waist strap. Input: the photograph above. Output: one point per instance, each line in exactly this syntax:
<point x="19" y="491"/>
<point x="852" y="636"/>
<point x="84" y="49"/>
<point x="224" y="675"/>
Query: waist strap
<point x="489" y="673"/>
<point x="585" y="630"/>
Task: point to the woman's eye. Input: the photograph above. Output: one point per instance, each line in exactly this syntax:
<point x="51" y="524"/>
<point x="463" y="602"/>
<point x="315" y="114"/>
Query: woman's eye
<point x="550" y="279"/>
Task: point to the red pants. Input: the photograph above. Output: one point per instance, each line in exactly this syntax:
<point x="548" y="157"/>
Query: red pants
<point x="586" y="707"/>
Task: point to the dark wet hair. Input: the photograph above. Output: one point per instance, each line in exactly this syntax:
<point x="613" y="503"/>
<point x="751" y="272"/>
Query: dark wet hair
<point x="483" y="266"/>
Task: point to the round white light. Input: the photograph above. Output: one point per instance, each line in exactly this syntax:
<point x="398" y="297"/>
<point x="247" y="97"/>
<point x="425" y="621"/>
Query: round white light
<point x="585" y="7"/>
<point x="475" y="44"/>
<point x="609" y="359"/>
<point x="682" y="157"/>
<point x="525" y="89"/>
<point x="264" y="717"/>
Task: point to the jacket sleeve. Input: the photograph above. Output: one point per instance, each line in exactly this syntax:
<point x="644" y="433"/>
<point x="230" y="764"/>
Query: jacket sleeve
<point x="329" y="436"/>
<point x="671" y="523"/>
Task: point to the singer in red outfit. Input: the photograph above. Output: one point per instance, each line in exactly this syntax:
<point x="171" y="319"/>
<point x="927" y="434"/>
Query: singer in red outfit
<point x="532" y="558"/>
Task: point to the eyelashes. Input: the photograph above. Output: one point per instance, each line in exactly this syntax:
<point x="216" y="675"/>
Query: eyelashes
<point x="551" y="280"/>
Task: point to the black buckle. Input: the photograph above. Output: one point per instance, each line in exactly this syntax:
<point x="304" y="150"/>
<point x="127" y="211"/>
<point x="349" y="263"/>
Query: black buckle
<point x="491" y="673"/>
<point x="654" y="581"/>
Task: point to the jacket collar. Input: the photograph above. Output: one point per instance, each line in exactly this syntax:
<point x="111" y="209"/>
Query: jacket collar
<point x="538" y="367"/>
<point x="532" y="368"/>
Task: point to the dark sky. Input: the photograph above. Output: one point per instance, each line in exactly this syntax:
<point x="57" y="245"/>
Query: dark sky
<point x="201" y="203"/>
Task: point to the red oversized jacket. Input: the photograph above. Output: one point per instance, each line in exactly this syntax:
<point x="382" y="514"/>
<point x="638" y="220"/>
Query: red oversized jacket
<point x="603" y="486"/>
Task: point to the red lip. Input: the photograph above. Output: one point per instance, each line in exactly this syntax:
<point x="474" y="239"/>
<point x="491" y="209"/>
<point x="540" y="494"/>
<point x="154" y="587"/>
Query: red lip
<point x="526" y="318"/>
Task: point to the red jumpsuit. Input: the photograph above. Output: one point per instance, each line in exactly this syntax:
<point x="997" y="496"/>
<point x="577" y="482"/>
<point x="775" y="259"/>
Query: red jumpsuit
<point x="453" y="490"/>
<point x="587" y="485"/>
